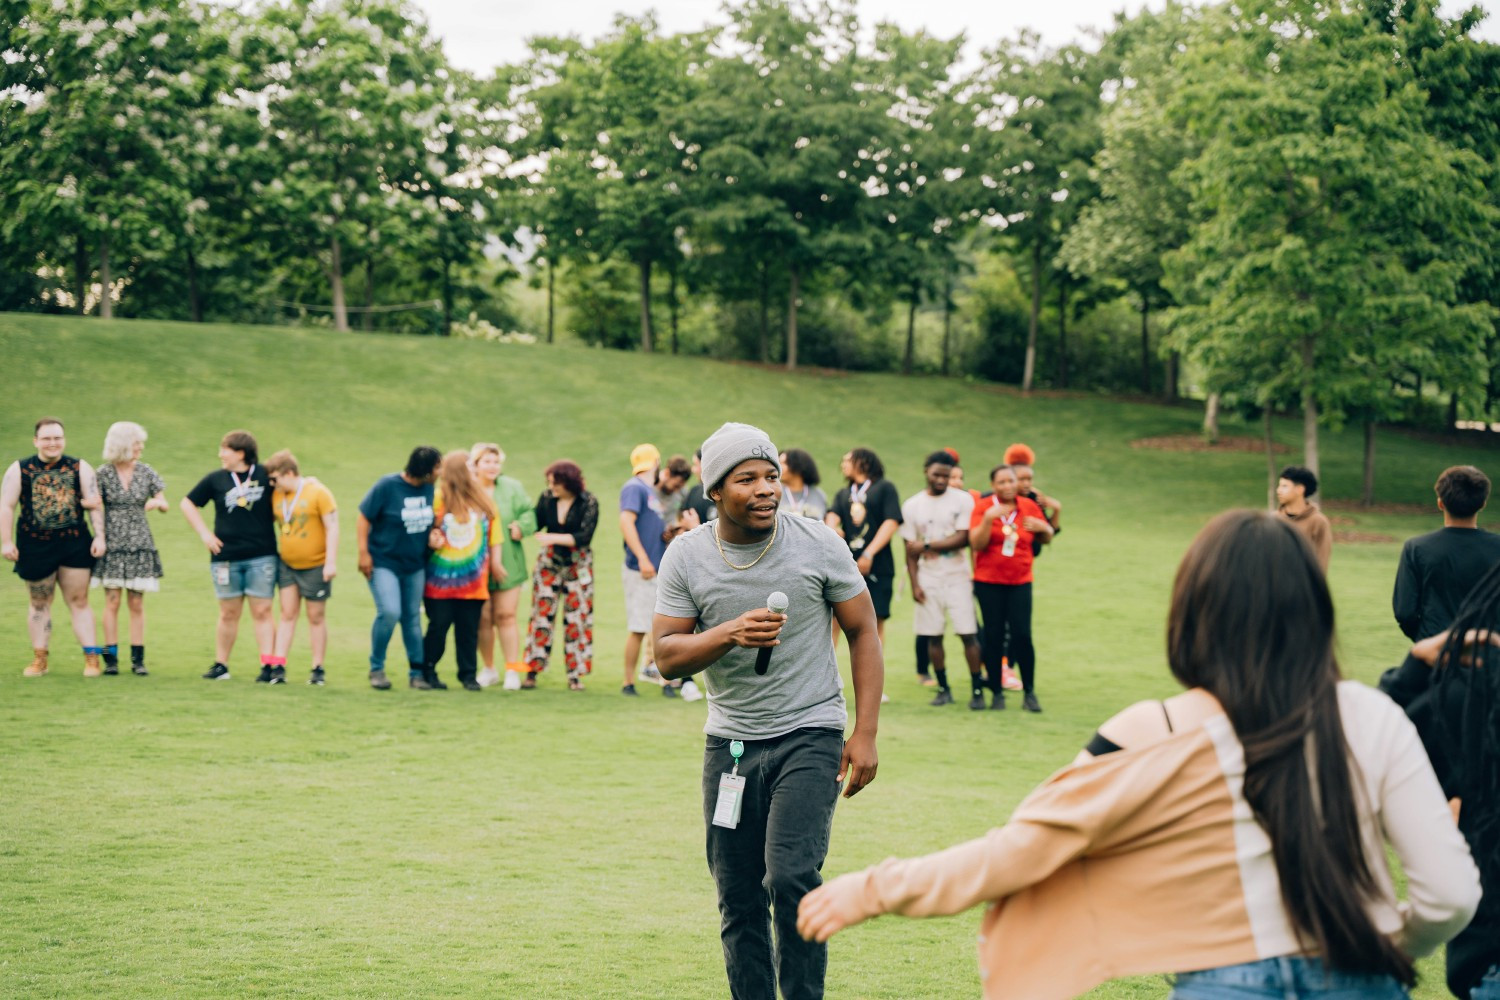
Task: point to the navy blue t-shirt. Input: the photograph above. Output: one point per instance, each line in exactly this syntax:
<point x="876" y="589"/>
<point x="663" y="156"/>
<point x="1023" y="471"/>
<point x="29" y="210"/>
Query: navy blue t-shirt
<point x="642" y="501"/>
<point x="400" y="516"/>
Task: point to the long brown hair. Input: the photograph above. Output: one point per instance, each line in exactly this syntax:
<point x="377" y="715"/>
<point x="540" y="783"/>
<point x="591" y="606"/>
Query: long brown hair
<point x="462" y="494"/>
<point x="1251" y="622"/>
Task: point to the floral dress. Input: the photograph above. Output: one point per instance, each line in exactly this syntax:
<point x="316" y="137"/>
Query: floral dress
<point x="130" y="559"/>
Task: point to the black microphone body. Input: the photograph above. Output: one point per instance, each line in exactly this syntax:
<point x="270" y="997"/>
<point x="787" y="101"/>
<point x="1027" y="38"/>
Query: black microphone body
<point x="777" y="603"/>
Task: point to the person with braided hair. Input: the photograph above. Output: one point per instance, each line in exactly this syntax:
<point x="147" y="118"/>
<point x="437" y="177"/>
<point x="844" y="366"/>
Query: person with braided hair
<point x="1450" y="687"/>
<point x="1234" y="834"/>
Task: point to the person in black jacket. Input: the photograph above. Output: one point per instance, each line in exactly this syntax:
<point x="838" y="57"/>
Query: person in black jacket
<point x="1450" y="687"/>
<point x="1438" y="569"/>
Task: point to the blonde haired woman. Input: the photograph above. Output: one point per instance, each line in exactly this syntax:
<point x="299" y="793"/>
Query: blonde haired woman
<point x="465" y="553"/>
<point x="517" y="516"/>
<point x="129" y="488"/>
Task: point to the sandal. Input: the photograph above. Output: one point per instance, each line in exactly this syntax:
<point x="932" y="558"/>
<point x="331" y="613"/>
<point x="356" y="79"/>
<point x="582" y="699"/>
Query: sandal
<point x="574" y="684"/>
<point x="529" y="682"/>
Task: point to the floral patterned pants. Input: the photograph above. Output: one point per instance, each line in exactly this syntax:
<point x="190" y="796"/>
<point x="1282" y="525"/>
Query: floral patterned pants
<point x="572" y="583"/>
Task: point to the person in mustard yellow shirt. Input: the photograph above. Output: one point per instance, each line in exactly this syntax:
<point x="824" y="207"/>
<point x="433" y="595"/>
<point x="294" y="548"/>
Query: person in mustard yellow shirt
<point x="307" y="524"/>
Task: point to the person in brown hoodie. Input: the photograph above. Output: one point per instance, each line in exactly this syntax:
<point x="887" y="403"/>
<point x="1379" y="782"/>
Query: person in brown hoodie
<point x="1294" y="492"/>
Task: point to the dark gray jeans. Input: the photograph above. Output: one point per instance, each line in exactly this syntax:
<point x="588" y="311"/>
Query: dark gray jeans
<point x="764" y="867"/>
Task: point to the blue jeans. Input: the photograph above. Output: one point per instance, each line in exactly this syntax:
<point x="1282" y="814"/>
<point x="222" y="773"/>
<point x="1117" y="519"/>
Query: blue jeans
<point x="398" y="600"/>
<point x="1489" y="986"/>
<point x="767" y="864"/>
<point x="1285" y="978"/>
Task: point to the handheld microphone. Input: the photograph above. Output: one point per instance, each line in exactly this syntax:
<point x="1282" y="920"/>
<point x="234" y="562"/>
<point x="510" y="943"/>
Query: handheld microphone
<point x="777" y="604"/>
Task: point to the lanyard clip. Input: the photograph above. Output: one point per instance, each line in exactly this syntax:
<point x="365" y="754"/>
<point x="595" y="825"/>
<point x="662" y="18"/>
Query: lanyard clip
<point x="736" y="750"/>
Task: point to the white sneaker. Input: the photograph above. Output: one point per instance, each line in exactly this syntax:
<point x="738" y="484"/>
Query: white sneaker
<point x="884" y="697"/>
<point x="690" y="692"/>
<point x="489" y="677"/>
<point x="512" y="681"/>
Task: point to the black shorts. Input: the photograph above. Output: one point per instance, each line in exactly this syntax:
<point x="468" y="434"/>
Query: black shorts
<point x="880" y="594"/>
<point x="40" y="560"/>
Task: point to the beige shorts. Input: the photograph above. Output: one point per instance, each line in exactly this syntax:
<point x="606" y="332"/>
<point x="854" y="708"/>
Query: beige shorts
<point x="952" y="597"/>
<point x="640" y="600"/>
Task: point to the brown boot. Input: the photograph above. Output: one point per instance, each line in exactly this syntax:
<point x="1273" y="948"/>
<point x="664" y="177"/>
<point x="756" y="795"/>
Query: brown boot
<point x="38" y="665"/>
<point x="91" y="666"/>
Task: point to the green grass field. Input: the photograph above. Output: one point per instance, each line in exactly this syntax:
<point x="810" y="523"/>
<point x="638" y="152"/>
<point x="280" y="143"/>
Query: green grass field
<point x="170" y="837"/>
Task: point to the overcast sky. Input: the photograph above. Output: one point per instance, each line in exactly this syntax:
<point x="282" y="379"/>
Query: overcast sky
<point x="480" y="36"/>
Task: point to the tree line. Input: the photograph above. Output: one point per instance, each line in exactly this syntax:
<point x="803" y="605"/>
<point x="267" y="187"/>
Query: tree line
<point x="1280" y="204"/>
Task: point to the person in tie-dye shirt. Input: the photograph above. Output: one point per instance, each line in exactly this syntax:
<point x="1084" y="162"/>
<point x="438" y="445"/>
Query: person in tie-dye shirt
<point x="465" y="543"/>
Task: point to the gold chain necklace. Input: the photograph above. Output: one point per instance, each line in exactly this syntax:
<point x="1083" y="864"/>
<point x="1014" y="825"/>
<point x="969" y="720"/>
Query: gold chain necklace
<point x="775" y="526"/>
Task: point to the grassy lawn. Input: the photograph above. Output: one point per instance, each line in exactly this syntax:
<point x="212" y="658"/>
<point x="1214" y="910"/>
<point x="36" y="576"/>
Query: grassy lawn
<point x="169" y="837"/>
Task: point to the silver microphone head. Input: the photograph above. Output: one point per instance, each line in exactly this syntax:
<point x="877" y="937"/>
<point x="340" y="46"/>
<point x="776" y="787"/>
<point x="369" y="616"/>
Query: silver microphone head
<point x="777" y="603"/>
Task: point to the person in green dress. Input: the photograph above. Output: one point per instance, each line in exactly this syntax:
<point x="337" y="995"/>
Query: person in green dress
<point x="499" y="615"/>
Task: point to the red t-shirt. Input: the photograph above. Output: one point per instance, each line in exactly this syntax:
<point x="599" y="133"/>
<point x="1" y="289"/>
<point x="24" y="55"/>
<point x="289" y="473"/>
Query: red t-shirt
<point x="991" y="565"/>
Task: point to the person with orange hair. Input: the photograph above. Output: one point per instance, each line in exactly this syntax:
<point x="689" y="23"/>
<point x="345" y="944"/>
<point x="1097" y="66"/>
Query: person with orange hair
<point x="1022" y="459"/>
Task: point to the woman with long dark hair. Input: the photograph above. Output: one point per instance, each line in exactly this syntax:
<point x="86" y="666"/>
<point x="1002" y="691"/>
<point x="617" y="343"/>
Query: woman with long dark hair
<point x="1450" y="685"/>
<point x="1234" y="834"/>
<point x="566" y="516"/>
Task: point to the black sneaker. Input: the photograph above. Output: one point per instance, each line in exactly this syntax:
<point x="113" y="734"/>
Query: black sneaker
<point x="976" y="703"/>
<point x="111" y="664"/>
<point x="139" y="669"/>
<point x="472" y="685"/>
<point x="265" y="675"/>
<point x="1029" y="703"/>
<point x="278" y="675"/>
<point x="998" y="705"/>
<point x="629" y="690"/>
<point x="433" y="684"/>
<point x="217" y="672"/>
<point x="316" y="677"/>
<point x="944" y="697"/>
<point x="668" y="691"/>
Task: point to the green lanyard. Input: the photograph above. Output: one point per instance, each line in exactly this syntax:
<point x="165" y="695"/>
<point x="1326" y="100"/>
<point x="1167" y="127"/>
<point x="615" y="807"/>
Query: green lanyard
<point x="736" y="750"/>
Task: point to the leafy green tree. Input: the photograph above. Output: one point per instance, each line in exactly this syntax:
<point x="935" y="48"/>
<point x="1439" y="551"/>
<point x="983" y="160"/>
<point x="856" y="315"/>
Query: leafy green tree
<point x="1333" y="227"/>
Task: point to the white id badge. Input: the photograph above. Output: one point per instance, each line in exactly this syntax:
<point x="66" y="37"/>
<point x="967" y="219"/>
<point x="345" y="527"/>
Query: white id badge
<point x="221" y="574"/>
<point x="731" y="799"/>
<point x="585" y="577"/>
<point x="1009" y="548"/>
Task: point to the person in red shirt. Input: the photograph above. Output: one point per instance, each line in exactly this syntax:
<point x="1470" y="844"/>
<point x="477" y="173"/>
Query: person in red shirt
<point x="1001" y="531"/>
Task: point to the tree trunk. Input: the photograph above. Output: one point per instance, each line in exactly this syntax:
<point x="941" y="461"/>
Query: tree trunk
<point x="551" y="298"/>
<point x="672" y="304"/>
<point x="1309" y="411"/>
<point x="646" y="332"/>
<point x="1272" y="474"/>
<point x="794" y="295"/>
<point x="1029" y="371"/>
<point x="947" y="315"/>
<point x="1145" y="346"/>
<point x="1452" y="412"/>
<point x="106" y="299"/>
<point x="765" y="315"/>
<point x="368" y="316"/>
<point x="1211" y="418"/>
<point x="1367" y="487"/>
<point x="447" y="297"/>
<point x="911" y="331"/>
<point x="1062" y="334"/>
<point x="81" y="274"/>
<point x="336" y="285"/>
<point x="195" y="302"/>
<point x="1174" y="362"/>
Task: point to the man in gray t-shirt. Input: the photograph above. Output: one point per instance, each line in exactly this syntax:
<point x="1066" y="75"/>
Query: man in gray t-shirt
<point x="781" y="732"/>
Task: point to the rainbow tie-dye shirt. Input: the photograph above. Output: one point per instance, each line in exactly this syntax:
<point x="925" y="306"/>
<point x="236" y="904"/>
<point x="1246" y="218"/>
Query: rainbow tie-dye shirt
<point x="461" y="568"/>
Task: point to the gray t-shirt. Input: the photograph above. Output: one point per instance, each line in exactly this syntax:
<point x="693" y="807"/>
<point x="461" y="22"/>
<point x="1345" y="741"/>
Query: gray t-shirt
<point x="802" y="688"/>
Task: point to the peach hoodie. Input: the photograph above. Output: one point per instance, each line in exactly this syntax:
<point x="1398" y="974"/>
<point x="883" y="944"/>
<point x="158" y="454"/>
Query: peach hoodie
<point x="1148" y="860"/>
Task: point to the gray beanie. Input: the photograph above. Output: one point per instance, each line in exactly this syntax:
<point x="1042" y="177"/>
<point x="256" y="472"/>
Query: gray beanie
<point x="729" y="446"/>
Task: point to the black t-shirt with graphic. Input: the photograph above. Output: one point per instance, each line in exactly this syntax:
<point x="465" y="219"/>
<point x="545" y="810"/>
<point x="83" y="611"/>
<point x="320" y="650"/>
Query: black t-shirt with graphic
<point x="881" y="503"/>
<point x="244" y="519"/>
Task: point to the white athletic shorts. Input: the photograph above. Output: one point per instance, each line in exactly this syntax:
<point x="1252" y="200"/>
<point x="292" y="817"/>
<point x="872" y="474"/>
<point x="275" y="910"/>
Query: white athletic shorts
<point x="640" y="600"/>
<point x="951" y="596"/>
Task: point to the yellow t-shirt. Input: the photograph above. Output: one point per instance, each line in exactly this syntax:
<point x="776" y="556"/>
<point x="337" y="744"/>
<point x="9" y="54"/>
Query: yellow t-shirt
<point x="304" y="540"/>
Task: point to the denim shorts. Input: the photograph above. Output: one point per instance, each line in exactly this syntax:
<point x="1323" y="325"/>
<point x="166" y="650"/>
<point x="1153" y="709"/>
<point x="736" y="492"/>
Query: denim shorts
<point x="1285" y="978"/>
<point x="245" y="578"/>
